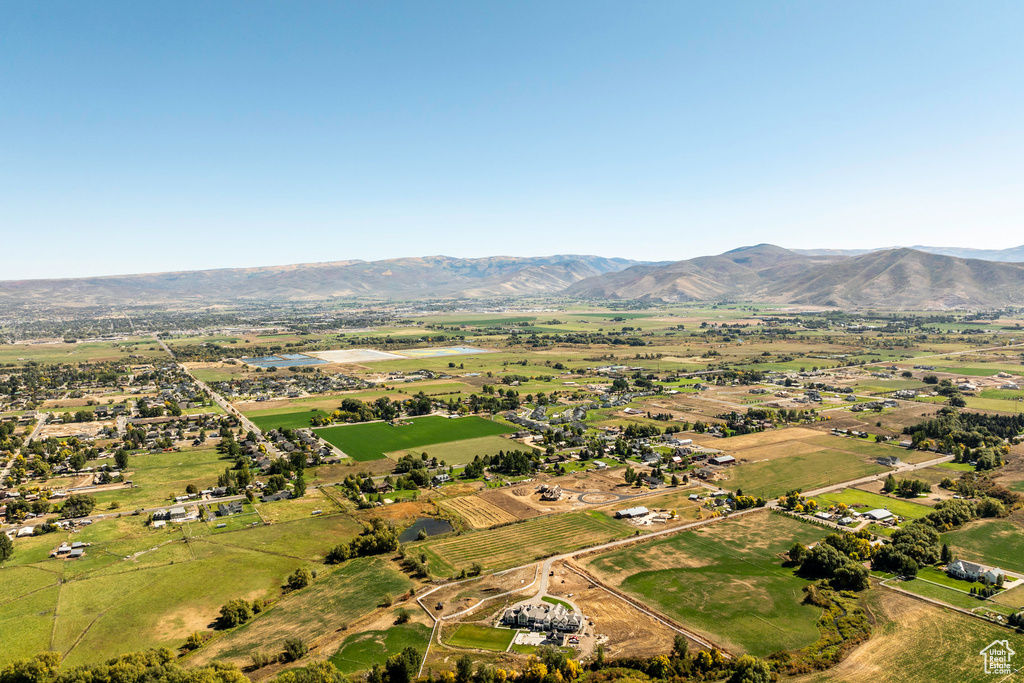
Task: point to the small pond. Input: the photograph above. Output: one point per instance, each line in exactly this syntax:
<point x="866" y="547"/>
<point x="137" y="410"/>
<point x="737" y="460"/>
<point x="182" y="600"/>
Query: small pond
<point x="432" y="526"/>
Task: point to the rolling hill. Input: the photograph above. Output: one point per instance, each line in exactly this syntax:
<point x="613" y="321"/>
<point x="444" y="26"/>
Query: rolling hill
<point x="894" y="278"/>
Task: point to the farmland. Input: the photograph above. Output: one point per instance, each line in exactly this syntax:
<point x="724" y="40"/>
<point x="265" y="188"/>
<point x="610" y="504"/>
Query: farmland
<point x="477" y="512"/>
<point x="990" y="541"/>
<point x="293" y="419"/>
<point x="371" y="440"/>
<point x="461" y="452"/>
<point x="821" y="467"/>
<point x="519" y="543"/>
<point x="732" y="565"/>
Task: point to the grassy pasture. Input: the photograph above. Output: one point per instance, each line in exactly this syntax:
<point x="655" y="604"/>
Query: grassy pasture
<point x="354" y="589"/>
<point x="482" y="637"/>
<point x="158" y="477"/>
<point x="724" y="580"/>
<point x="27" y="619"/>
<point x="804" y="471"/>
<point x="517" y="544"/>
<point x="360" y="651"/>
<point x="371" y="440"/>
<point x="105" y="615"/>
<point x="865" y="500"/>
<point x="989" y="541"/>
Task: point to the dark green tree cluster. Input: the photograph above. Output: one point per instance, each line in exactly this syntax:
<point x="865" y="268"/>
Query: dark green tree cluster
<point x="77" y="505"/>
<point x="377" y="537"/>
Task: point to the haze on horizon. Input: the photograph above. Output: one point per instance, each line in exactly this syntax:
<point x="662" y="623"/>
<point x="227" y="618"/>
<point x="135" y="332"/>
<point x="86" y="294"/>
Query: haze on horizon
<point x="146" y="138"/>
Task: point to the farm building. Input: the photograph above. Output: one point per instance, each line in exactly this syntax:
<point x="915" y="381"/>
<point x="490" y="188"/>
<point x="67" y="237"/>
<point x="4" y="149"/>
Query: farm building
<point x="632" y="513"/>
<point x="879" y="515"/>
<point x="723" y="460"/>
<point x="888" y="460"/>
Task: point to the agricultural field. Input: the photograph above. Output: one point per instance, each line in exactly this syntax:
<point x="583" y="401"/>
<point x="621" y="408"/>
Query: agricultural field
<point x="371" y="440"/>
<point x="291" y="419"/>
<point x="725" y="580"/>
<point x="804" y="471"/>
<point x="518" y="544"/>
<point x="477" y="512"/>
<point x="997" y="542"/>
<point x="464" y="451"/>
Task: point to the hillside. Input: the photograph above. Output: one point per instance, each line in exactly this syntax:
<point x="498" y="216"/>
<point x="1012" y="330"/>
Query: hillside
<point x="404" y="278"/>
<point x="742" y="273"/>
<point x="894" y="278"/>
<point x="1011" y="255"/>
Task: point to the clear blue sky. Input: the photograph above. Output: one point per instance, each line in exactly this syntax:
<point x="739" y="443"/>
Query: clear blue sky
<point x="141" y="136"/>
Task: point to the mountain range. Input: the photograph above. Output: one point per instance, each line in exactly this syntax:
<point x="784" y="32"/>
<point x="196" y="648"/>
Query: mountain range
<point x="893" y="278"/>
<point x="403" y="278"/>
<point x="1011" y="255"/>
<point x="901" y="278"/>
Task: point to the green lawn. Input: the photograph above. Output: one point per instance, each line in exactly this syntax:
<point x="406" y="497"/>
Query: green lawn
<point x="482" y="637"/>
<point x="556" y="601"/>
<point x="997" y="542"/>
<point x="370" y="441"/>
<point x="360" y="651"/>
<point x="864" y="500"/>
<point x="724" y="580"/>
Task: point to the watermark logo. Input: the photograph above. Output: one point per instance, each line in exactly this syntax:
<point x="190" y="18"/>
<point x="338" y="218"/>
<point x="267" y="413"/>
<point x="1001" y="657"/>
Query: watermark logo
<point x="998" y="656"/>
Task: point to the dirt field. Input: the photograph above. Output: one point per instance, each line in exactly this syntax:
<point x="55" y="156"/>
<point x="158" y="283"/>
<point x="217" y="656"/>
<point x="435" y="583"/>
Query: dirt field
<point x="757" y="441"/>
<point x="477" y="512"/>
<point x="461" y="596"/>
<point x="60" y="431"/>
<point x="509" y="503"/>
<point x="629" y="631"/>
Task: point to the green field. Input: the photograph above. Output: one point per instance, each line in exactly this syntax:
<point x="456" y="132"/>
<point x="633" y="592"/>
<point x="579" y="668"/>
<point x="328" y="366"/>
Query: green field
<point x="158" y="477"/>
<point x="482" y="637"/>
<point x="371" y="440"/>
<point x="518" y="544"/>
<point x="360" y="651"/>
<point x="724" y="580"/>
<point x="462" y="452"/>
<point x="864" y="500"/>
<point x="772" y="478"/>
<point x="287" y="419"/>
<point x="997" y="542"/>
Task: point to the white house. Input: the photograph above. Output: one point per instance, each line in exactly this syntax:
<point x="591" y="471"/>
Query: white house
<point x="970" y="571"/>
